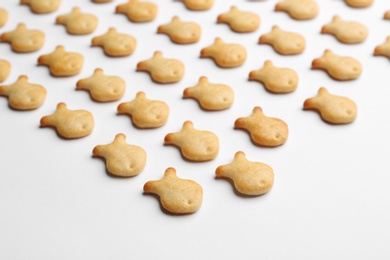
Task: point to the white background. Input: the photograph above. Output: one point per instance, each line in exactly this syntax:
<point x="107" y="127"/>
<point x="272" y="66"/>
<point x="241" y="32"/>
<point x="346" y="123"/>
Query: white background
<point x="331" y="197"/>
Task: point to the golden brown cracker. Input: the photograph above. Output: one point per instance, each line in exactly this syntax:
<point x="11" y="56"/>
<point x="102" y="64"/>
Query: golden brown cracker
<point x="386" y="15"/>
<point x="3" y="17"/>
<point x="162" y="70"/>
<point x="338" y="67"/>
<point x="115" y="44"/>
<point x="332" y="108"/>
<point x="283" y="42"/>
<point x="145" y="113"/>
<point x="346" y="31"/>
<point x="195" y="145"/>
<point x="138" y="12"/>
<point x="5" y="70"/>
<point x="210" y="96"/>
<point x="249" y="178"/>
<point x="225" y="55"/>
<point x="78" y="23"/>
<point x="198" y="5"/>
<point x="101" y="1"/>
<point x="298" y="9"/>
<point x="383" y="49"/>
<point x="263" y="130"/>
<point x="240" y="21"/>
<point x="275" y="79"/>
<point x="23" y="95"/>
<point x="42" y="6"/>
<point x="359" y="3"/>
<point x="103" y="88"/>
<point x="62" y="63"/>
<point x="24" y="40"/>
<point x="181" y="32"/>
<point x="69" y="124"/>
<point x="177" y="196"/>
<point x="122" y="159"/>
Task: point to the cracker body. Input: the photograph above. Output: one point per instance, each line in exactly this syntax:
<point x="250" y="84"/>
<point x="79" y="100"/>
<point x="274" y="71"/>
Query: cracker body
<point x="162" y="70"/>
<point x="69" y="124"/>
<point x="333" y="109"/>
<point x="359" y="3"/>
<point x="78" y="23"/>
<point x="103" y="88"/>
<point x="23" y="95"/>
<point x="138" y="12"/>
<point x="122" y="159"/>
<point x="101" y="1"/>
<point x="198" y="5"/>
<point x="195" y="145"/>
<point x="62" y="63"/>
<point x="383" y="49"/>
<point x="346" y="31"/>
<point x="177" y="196"/>
<point x="24" y="40"/>
<point x="298" y="9"/>
<point x="283" y="42"/>
<point x="264" y="131"/>
<point x="225" y="55"/>
<point x="276" y="80"/>
<point x="240" y="21"/>
<point x="42" y="6"/>
<point x="386" y="15"/>
<point x="181" y="32"/>
<point x="210" y="96"/>
<point x="249" y="178"/>
<point x="115" y="44"/>
<point x="338" y="67"/>
<point x="3" y="17"/>
<point x="145" y="113"/>
<point x="5" y="70"/>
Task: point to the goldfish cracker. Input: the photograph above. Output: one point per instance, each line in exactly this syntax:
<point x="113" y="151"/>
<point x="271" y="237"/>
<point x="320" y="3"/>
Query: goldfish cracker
<point x="122" y="159"/>
<point x="264" y="131"/>
<point x="162" y="70"/>
<point x="23" y="40"/>
<point x="225" y="55"/>
<point x="338" y="67"/>
<point x="332" y="108"/>
<point x="195" y="145"/>
<point x="249" y="178"/>
<point x="177" y="196"/>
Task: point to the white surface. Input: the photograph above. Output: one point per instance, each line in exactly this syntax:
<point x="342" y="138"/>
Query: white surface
<point x="331" y="198"/>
